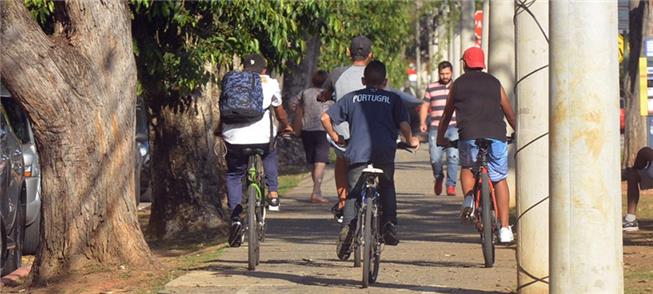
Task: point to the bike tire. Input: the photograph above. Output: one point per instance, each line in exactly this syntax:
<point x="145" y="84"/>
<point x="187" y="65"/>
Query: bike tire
<point x="357" y="237"/>
<point x="376" y="246"/>
<point x="368" y="244"/>
<point x="252" y="230"/>
<point x="487" y="238"/>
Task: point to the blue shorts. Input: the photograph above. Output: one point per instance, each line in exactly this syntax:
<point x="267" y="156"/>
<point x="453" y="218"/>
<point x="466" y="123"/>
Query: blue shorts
<point x="497" y="157"/>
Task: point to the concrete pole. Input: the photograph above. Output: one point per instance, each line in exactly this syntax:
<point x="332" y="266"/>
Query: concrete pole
<point x="586" y="238"/>
<point x="485" y="37"/>
<point x="501" y="63"/>
<point x="466" y="25"/>
<point x="457" y="64"/>
<point x="418" y="53"/>
<point x="532" y="93"/>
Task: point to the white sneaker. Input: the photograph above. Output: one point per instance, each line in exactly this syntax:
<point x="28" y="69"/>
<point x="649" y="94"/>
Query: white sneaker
<point x="273" y="204"/>
<point x="505" y="235"/>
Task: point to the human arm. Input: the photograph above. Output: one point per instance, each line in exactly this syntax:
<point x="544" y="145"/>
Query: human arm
<point x="404" y="128"/>
<point x="282" y="117"/>
<point x="423" y="112"/>
<point x="446" y="118"/>
<point x="328" y="127"/>
<point x="299" y="119"/>
<point x="507" y="109"/>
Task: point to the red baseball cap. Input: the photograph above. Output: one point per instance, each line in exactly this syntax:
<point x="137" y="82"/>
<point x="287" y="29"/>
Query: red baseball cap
<point x="474" y="57"/>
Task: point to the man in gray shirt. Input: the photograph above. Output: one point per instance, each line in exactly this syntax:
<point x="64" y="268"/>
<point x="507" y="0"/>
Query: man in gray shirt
<point x="341" y="81"/>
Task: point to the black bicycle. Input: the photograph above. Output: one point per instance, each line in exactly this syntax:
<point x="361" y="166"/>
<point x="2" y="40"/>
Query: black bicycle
<point x="368" y="235"/>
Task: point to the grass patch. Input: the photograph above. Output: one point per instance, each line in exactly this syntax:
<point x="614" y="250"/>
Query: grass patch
<point x="287" y="182"/>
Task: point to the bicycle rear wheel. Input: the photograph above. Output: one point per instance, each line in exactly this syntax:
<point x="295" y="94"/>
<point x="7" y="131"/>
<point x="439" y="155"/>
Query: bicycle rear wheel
<point x="368" y="244"/>
<point x="252" y="231"/>
<point x="487" y="236"/>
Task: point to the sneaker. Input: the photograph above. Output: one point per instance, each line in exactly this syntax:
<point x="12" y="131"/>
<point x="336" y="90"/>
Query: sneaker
<point x="338" y="213"/>
<point x="451" y="190"/>
<point x="438" y="186"/>
<point x="467" y="209"/>
<point x="505" y="235"/>
<point x="273" y="204"/>
<point x="236" y="233"/>
<point x="390" y="234"/>
<point x="630" y="226"/>
<point x="343" y="248"/>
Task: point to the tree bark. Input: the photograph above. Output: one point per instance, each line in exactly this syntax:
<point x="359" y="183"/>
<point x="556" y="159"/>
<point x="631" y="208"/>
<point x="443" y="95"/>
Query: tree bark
<point x="78" y="88"/>
<point x="297" y="78"/>
<point x="187" y="176"/>
<point x="635" y="135"/>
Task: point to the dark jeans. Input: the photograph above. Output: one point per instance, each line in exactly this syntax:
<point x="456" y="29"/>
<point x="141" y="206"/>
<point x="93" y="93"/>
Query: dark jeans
<point x="237" y="167"/>
<point x="386" y="189"/>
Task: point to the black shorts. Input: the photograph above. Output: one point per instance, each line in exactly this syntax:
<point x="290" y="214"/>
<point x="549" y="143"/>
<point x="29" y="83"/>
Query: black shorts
<point x="316" y="146"/>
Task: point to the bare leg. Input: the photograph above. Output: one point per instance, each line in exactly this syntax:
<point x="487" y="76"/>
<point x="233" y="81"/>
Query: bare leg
<point x="503" y="200"/>
<point x="633" y="191"/>
<point x="341" y="180"/>
<point x="467" y="180"/>
<point x="317" y="173"/>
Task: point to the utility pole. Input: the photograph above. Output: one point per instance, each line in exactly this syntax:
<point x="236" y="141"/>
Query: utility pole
<point x="501" y="63"/>
<point x="466" y="25"/>
<point x="585" y="225"/>
<point x="418" y="53"/>
<point x="532" y="95"/>
<point x="485" y="37"/>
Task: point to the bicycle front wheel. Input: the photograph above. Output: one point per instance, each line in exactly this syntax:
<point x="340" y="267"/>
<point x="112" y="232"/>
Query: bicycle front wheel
<point x="487" y="236"/>
<point x="368" y="244"/>
<point x="252" y="231"/>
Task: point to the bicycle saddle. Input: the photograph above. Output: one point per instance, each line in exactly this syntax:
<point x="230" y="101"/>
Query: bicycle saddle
<point x="252" y="151"/>
<point x="372" y="170"/>
<point x="483" y="143"/>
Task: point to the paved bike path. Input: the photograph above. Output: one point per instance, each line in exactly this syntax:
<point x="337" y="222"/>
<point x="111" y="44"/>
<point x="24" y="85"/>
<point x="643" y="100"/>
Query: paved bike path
<point x="437" y="254"/>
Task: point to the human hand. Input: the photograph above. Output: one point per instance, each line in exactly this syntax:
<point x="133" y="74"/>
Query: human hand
<point x="423" y="127"/>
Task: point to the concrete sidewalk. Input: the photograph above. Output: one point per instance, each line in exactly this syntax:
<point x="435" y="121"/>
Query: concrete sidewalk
<point x="437" y="254"/>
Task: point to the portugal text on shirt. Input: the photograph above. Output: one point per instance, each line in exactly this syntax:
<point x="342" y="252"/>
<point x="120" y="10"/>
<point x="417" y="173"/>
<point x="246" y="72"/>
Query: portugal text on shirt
<point x="371" y="98"/>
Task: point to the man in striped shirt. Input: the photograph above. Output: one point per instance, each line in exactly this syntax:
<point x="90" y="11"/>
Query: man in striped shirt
<point x="436" y="93"/>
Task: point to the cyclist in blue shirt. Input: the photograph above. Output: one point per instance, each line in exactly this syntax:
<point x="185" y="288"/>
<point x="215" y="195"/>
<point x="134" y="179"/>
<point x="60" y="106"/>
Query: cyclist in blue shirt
<point x="374" y="116"/>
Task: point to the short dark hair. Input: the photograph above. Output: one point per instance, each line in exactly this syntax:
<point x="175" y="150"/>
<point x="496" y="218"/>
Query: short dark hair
<point x="444" y="64"/>
<point x="374" y="73"/>
<point x="255" y="63"/>
<point x="318" y="78"/>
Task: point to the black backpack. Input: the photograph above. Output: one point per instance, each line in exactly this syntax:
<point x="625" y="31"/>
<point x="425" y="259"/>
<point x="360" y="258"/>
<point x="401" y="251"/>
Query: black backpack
<point x="241" y="100"/>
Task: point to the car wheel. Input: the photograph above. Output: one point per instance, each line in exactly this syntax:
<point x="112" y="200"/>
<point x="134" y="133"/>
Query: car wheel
<point x="15" y="237"/>
<point x="32" y="236"/>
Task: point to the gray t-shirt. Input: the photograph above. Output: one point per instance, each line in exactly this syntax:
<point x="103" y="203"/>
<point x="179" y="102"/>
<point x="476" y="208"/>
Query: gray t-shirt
<point x="342" y="81"/>
<point x="374" y="116"/>
<point x="313" y="109"/>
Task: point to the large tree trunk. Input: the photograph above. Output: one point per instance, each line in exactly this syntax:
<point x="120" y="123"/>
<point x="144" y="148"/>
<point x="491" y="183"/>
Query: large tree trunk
<point x="297" y="78"/>
<point x="188" y="177"/>
<point x="78" y="88"/>
<point x="635" y="135"/>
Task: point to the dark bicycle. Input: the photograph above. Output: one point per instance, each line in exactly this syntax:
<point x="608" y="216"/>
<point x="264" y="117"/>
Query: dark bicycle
<point x="368" y="235"/>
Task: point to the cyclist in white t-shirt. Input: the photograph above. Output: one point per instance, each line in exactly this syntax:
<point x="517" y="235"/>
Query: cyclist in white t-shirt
<point x="253" y="135"/>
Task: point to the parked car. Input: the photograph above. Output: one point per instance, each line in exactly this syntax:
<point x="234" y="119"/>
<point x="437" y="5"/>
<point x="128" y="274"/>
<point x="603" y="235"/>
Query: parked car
<point x="32" y="174"/>
<point x="142" y="173"/>
<point x="12" y="195"/>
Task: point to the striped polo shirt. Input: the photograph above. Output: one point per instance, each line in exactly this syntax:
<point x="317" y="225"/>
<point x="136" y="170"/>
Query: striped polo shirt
<point x="437" y="94"/>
